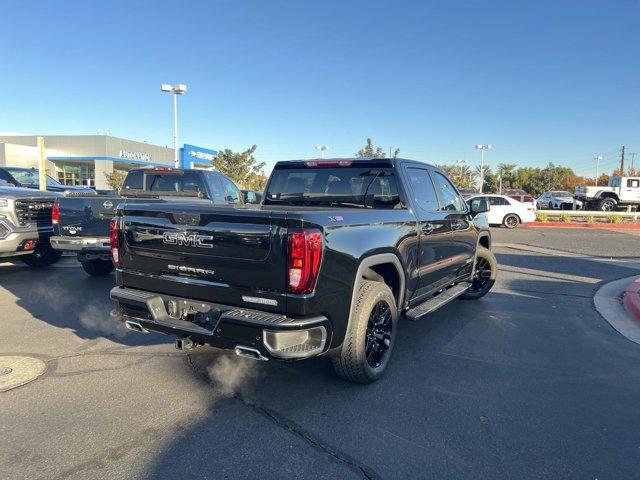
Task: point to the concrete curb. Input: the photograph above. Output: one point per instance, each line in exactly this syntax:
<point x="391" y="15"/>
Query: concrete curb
<point x="608" y="303"/>
<point x="631" y="299"/>
<point x="607" y="226"/>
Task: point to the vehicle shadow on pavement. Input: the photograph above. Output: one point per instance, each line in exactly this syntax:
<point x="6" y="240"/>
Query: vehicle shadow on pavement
<point x="65" y="297"/>
<point x="458" y="399"/>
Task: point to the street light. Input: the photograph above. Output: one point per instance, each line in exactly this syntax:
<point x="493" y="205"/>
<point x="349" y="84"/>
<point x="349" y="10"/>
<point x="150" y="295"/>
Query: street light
<point x="482" y="148"/>
<point x="177" y="89"/>
<point x="598" y="159"/>
<point x="322" y="149"/>
<point x="461" y="163"/>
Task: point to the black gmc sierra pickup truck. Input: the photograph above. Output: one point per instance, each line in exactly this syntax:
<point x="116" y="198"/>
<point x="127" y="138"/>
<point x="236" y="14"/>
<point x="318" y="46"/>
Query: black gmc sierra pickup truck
<point x="81" y="222"/>
<point x="336" y="253"/>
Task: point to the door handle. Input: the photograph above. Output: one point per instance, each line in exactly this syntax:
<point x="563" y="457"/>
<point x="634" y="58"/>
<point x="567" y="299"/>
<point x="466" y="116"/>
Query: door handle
<point x="428" y="228"/>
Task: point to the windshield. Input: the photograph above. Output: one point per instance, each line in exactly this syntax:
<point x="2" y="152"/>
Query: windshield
<point x="29" y="177"/>
<point x="340" y="187"/>
<point x="561" y="194"/>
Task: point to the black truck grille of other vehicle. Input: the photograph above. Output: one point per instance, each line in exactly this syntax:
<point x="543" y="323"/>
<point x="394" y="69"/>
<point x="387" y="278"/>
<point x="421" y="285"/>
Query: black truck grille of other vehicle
<point x="34" y="212"/>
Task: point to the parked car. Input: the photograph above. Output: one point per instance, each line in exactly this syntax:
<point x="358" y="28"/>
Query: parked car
<point x="81" y="222"/>
<point x="620" y="192"/>
<point x="28" y="178"/>
<point x="25" y="225"/>
<point x="557" y="200"/>
<point x="506" y="211"/>
<point x="518" y="194"/>
<point x="338" y="250"/>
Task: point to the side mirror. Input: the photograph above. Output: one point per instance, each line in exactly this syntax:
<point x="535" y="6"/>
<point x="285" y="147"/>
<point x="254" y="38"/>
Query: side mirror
<point x="478" y="205"/>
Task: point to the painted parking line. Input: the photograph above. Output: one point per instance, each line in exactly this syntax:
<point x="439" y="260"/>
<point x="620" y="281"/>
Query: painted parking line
<point x="634" y="265"/>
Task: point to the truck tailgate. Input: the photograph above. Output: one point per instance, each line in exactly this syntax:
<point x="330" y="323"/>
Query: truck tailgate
<point x="86" y="216"/>
<point x="212" y="253"/>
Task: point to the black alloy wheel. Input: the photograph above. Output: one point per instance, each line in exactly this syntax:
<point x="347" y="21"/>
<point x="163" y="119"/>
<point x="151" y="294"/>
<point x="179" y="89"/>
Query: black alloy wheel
<point x="378" y="336"/>
<point x="481" y="275"/>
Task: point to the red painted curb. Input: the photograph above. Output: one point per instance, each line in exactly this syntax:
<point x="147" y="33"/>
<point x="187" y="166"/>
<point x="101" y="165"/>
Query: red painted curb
<point x="631" y="299"/>
<point x="609" y="226"/>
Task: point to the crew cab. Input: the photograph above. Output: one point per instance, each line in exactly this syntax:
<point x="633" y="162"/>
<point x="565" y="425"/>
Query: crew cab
<point x="620" y="192"/>
<point x="81" y="222"/>
<point x="25" y="225"/>
<point x="336" y="252"/>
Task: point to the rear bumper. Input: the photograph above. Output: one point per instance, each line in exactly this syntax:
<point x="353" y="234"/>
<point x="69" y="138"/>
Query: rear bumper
<point x="223" y="326"/>
<point x="80" y="244"/>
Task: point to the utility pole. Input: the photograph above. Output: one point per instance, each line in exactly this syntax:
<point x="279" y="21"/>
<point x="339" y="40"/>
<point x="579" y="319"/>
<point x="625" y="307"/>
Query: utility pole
<point x="633" y="157"/>
<point x="622" y="161"/>
<point x="598" y="159"/>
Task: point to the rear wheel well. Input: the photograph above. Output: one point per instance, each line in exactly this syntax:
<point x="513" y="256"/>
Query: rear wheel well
<point x="386" y="273"/>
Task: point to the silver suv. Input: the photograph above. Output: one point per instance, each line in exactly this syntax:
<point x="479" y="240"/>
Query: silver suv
<point x="25" y="225"/>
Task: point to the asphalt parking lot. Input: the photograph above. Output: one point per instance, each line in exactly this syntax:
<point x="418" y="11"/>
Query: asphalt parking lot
<point x="529" y="382"/>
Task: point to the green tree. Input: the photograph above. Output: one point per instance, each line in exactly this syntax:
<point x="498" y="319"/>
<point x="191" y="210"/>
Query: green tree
<point x="370" y="151"/>
<point x="462" y="177"/>
<point x="490" y="184"/>
<point x="115" y="179"/>
<point x="508" y="173"/>
<point x="242" y="168"/>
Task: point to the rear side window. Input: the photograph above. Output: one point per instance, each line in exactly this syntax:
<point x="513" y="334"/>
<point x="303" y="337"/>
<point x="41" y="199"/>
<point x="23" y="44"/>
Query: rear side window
<point x="216" y="192"/>
<point x="423" y="191"/>
<point x="449" y="198"/>
<point x="497" y="201"/>
<point x="133" y="180"/>
<point x="633" y="183"/>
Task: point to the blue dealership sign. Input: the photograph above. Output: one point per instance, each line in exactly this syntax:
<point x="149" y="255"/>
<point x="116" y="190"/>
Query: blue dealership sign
<point x="196" y="155"/>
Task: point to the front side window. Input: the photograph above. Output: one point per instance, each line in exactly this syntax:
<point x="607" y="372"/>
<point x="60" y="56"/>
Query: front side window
<point x="231" y="192"/>
<point x="449" y="198"/>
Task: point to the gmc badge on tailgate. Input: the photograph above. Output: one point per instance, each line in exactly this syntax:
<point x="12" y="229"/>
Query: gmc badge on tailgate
<point x="187" y="239"/>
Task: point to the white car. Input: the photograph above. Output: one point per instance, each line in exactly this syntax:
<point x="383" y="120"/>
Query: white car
<point x="507" y="211"/>
<point x="556" y="199"/>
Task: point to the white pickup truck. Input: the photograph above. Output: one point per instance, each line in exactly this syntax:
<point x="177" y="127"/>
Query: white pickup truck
<point x="620" y="192"/>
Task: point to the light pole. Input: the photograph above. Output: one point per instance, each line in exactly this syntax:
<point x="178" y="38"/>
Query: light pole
<point x="598" y="159"/>
<point x="482" y="148"/>
<point x="177" y="89"/>
<point x="322" y="149"/>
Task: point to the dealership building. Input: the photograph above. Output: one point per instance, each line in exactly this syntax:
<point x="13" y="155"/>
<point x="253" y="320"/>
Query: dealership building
<point x="86" y="159"/>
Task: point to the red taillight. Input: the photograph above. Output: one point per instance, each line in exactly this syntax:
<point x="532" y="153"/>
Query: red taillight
<point x="305" y="253"/>
<point x="55" y="213"/>
<point x="114" y="240"/>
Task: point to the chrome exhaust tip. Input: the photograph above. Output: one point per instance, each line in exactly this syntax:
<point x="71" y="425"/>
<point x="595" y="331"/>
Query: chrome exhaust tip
<point x="135" y="327"/>
<point x="249" y="352"/>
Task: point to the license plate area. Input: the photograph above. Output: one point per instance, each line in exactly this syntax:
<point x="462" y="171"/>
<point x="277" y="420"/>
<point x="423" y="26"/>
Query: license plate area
<point x="198" y="313"/>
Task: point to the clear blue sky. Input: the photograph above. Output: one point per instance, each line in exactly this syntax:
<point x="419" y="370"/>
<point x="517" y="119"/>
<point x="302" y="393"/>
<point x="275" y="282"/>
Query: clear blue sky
<point x="540" y="80"/>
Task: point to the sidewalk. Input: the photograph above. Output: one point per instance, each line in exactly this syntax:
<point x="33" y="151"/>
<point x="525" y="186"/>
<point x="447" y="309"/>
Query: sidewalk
<point x="608" y="226"/>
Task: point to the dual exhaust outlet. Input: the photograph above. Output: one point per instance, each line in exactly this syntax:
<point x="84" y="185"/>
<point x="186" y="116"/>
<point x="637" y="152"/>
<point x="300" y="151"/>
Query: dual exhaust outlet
<point x="188" y="344"/>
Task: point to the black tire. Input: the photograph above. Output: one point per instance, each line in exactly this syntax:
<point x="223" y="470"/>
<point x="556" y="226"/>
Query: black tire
<point x="370" y="337"/>
<point x="607" y="205"/>
<point x="42" y="256"/>
<point x="485" y="271"/>
<point x="511" y="220"/>
<point x="98" y="268"/>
